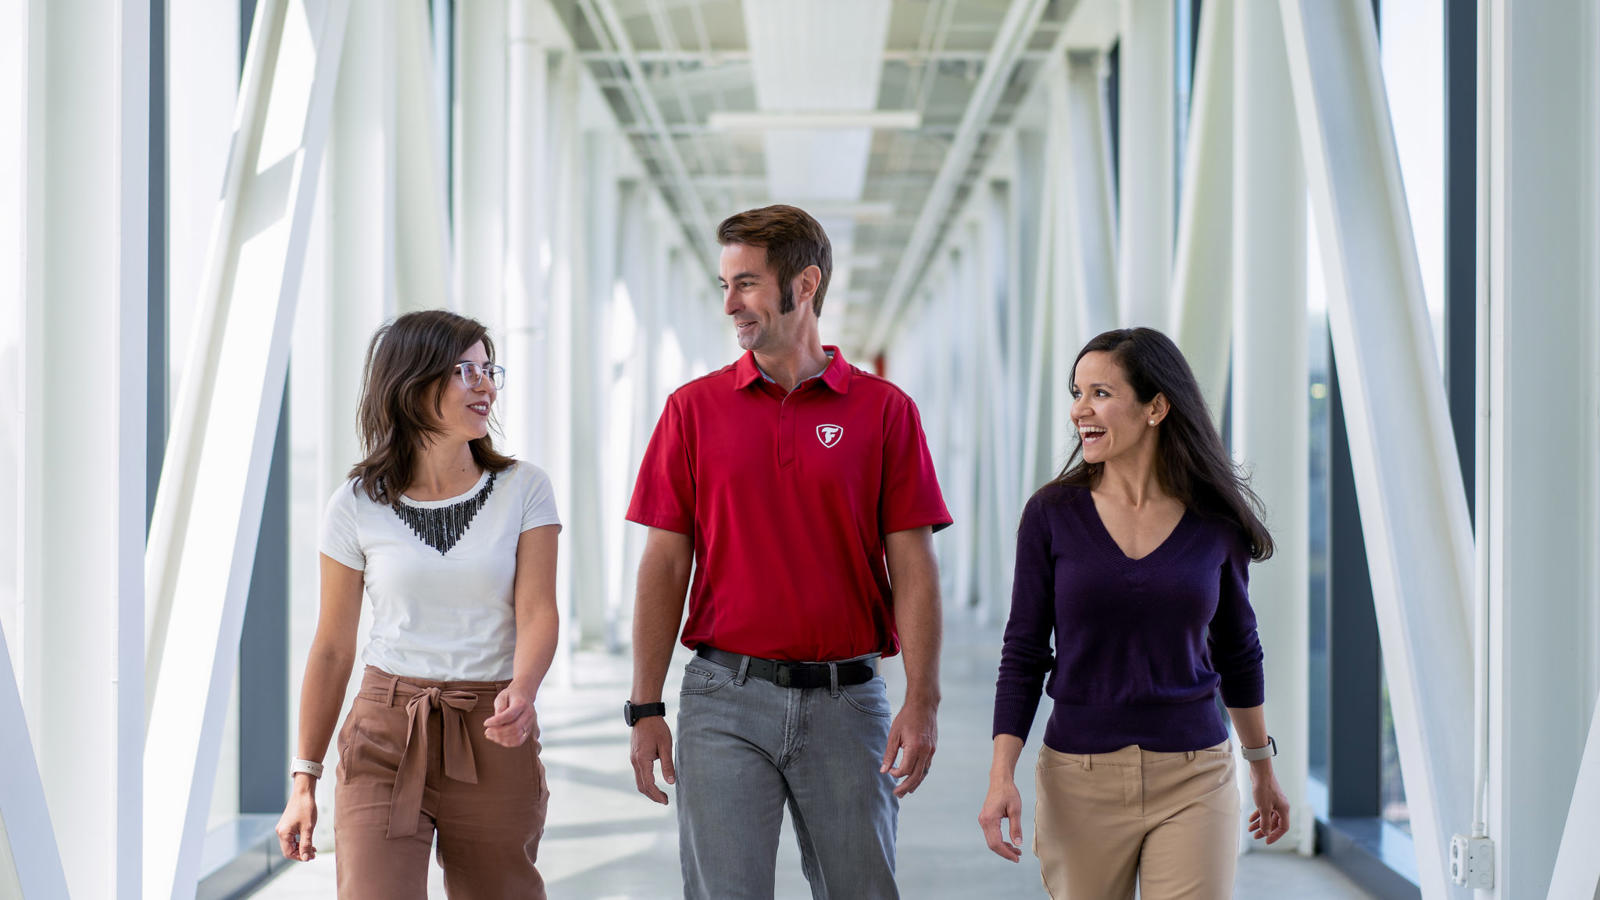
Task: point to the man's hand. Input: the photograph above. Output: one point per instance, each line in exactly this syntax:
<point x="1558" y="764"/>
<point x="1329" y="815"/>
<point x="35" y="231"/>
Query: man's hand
<point x="913" y="737"/>
<point x="652" y="740"/>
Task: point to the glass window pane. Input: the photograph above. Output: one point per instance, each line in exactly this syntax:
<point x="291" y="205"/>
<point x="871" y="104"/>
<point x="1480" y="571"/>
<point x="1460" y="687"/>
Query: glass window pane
<point x="1393" y="797"/>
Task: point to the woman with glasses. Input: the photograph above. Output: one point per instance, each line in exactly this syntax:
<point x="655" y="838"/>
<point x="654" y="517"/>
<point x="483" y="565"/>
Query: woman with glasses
<point x="454" y="545"/>
<point x="1134" y="564"/>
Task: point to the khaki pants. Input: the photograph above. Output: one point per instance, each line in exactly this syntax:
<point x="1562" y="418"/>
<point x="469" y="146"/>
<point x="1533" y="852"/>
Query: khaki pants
<point x="413" y="760"/>
<point x="1169" y="820"/>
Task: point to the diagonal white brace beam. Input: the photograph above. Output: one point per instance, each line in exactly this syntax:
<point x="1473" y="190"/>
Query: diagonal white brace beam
<point x="1018" y="26"/>
<point x="1202" y="273"/>
<point x="1577" y="869"/>
<point x="1408" y="479"/>
<point x="208" y="511"/>
<point x="29" y="842"/>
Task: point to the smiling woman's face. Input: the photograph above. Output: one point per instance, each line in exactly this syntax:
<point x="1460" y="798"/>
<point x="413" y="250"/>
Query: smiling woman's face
<point x="463" y="411"/>
<point x="1107" y="412"/>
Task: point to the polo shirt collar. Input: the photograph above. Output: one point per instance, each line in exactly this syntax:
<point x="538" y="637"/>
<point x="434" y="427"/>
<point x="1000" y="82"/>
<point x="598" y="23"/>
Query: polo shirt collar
<point x="835" y="376"/>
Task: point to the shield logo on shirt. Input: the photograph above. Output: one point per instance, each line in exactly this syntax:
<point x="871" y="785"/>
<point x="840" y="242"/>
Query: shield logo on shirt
<point x="829" y="434"/>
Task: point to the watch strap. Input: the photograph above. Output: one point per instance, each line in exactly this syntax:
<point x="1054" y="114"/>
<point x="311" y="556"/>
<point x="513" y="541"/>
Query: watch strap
<point x="314" y="769"/>
<point x="1254" y="754"/>
<point x="633" y="712"/>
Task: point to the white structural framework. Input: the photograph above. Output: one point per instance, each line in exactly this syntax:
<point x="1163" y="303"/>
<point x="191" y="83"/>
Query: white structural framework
<point x="114" y="691"/>
<point x="209" y="505"/>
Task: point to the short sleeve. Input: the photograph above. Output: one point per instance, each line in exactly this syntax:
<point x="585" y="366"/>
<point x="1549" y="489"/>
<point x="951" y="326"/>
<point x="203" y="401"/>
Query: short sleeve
<point x="663" y="495"/>
<point x="538" y="500"/>
<point x="911" y="496"/>
<point x="341" y="539"/>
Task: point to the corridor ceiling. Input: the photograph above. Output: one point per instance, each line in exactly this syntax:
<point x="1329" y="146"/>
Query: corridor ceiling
<point x="850" y="109"/>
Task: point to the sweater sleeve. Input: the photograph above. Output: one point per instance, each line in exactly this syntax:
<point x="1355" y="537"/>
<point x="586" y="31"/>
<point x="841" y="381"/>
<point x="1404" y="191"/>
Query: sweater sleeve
<point x="1235" y="646"/>
<point x="1025" y="656"/>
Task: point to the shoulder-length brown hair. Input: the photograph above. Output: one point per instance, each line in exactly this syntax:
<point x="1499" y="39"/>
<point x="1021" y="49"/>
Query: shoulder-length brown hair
<point x="1191" y="462"/>
<point x="407" y="365"/>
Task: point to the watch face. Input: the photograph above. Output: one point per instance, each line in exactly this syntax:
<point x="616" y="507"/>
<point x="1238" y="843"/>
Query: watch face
<point x="627" y="712"/>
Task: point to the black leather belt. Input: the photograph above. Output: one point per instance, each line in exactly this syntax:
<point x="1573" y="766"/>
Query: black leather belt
<point x="791" y="674"/>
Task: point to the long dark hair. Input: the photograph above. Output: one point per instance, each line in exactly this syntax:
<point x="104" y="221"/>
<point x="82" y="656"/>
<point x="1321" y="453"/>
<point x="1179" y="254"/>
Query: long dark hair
<point x="407" y="365"/>
<point x="1191" y="463"/>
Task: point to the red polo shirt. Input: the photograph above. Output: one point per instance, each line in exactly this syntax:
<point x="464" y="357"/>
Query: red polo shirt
<point x="788" y="498"/>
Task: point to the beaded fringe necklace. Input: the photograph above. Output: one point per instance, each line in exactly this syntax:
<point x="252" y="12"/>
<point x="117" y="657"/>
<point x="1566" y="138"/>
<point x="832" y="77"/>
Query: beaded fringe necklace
<point x="440" y="527"/>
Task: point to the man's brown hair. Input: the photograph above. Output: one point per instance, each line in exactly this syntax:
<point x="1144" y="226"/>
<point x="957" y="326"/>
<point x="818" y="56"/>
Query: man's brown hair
<point x="793" y="240"/>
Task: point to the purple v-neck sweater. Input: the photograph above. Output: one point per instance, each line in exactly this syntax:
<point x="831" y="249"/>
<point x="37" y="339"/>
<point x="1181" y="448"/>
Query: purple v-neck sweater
<point x="1141" y="646"/>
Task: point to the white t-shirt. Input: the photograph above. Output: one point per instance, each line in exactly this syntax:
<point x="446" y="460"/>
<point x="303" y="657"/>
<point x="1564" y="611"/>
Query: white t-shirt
<point x="441" y="616"/>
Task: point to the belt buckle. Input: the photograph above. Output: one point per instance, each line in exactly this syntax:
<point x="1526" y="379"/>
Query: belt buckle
<point x="781" y="675"/>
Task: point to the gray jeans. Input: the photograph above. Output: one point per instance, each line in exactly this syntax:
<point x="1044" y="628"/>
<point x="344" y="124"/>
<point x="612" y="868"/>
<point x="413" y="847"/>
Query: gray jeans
<point x="745" y="748"/>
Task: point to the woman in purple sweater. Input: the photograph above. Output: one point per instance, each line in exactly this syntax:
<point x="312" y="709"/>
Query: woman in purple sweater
<point x="1134" y="561"/>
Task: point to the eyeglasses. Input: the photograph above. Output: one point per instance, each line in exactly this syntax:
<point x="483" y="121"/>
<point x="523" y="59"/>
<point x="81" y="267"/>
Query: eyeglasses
<point x="472" y="375"/>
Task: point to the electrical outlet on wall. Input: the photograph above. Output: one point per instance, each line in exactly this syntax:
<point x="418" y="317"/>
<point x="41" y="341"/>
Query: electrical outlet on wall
<point x="1472" y="861"/>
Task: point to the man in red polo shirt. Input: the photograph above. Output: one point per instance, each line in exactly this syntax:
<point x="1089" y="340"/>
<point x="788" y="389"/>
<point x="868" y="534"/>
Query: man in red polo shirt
<point x="798" y="489"/>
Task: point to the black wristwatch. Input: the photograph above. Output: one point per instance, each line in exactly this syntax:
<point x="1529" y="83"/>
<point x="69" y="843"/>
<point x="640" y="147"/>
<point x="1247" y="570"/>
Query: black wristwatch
<point x="633" y="712"/>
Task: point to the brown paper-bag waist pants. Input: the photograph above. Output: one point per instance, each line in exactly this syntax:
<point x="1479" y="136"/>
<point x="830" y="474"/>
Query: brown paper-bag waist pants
<point x="1169" y="821"/>
<point x="413" y="760"/>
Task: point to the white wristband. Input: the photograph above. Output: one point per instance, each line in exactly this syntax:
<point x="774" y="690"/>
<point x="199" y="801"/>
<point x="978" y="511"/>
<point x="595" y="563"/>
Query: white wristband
<point x="1255" y="754"/>
<point x="314" y="769"/>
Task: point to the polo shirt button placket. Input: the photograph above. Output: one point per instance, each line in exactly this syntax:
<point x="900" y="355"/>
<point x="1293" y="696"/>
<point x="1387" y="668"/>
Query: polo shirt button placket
<point x="786" y="419"/>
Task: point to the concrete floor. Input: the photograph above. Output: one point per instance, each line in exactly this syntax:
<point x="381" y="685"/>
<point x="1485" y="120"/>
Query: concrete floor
<point x="604" y="841"/>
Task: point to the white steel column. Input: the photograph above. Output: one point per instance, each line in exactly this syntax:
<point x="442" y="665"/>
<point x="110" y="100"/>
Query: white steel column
<point x="590" y="535"/>
<point x="422" y="222"/>
<point x="1544" y="458"/>
<point x="1146" y="169"/>
<point x="527" y="204"/>
<point x="360" y="228"/>
<point x="1408" y="480"/>
<point x="1091" y="229"/>
<point x="559" y="374"/>
<point x="1202" y="270"/>
<point x="83" y="488"/>
<point x="207" y="514"/>
<point x="480" y="161"/>
<point x="1270" y="406"/>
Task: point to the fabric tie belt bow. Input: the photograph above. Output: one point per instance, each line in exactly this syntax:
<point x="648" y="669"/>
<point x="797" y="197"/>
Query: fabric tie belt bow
<point x="405" y="804"/>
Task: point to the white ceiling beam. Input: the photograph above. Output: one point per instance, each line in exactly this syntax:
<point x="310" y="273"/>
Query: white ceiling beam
<point x="1015" y="31"/>
<point x="609" y="28"/>
<point x="742" y="56"/>
<point x="794" y="120"/>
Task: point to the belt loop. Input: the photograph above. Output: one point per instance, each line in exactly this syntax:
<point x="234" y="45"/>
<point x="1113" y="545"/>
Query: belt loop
<point x="744" y="671"/>
<point x="1189" y="755"/>
<point x="1088" y="762"/>
<point x="833" y="679"/>
<point x="388" y="697"/>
